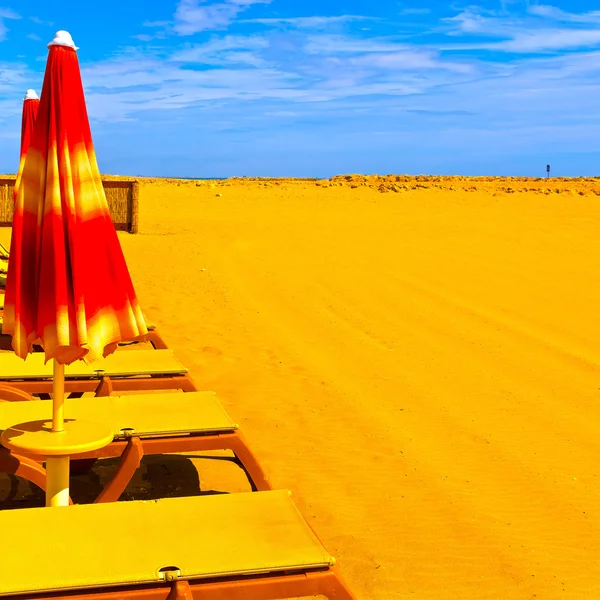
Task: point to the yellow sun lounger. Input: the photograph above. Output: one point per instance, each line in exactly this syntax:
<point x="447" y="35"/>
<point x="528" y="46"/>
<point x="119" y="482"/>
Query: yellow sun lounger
<point x="141" y="424"/>
<point x="4" y="253"/>
<point x="123" y="370"/>
<point x="249" y="545"/>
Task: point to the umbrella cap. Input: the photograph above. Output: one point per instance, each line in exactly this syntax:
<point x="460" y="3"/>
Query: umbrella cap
<point x="63" y="38"/>
<point x="31" y="95"/>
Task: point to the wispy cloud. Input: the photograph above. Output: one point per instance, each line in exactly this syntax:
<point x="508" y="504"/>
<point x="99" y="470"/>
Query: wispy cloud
<point x="39" y="21"/>
<point x="224" y="51"/>
<point x="193" y="16"/>
<point x="552" y="12"/>
<point x="415" y="11"/>
<point x="34" y="36"/>
<point x="144" y="37"/>
<point x="522" y="35"/>
<point x="549" y="40"/>
<point x="13" y="77"/>
<point x="6" y="13"/>
<point x="309" y="22"/>
<point x="410" y="60"/>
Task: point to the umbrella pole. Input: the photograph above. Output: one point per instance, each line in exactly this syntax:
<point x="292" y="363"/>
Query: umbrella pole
<point x="57" y="467"/>
<point x="57" y="481"/>
<point x="58" y="397"/>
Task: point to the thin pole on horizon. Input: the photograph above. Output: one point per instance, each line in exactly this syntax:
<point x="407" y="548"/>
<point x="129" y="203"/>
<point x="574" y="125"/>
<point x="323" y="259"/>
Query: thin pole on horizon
<point x="547" y="171"/>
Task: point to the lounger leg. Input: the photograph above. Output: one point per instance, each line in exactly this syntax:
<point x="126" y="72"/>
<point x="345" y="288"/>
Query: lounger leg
<point x="180" y="591"/>
<point x="333" y="587"/>
<point x="188" y="384"/>
<point x="22" y="467"/>
<point x="248" y="462"/>
<point x="157" y="342"/>
<point x="130" y="461"/>
<point x="10" y="393"/>
<point x="105" y="387"/>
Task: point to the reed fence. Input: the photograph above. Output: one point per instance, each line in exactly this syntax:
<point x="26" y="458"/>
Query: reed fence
<point x="122" y="197"/>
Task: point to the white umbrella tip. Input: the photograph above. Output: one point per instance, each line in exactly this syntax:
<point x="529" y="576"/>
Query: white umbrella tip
<point x="63" y="38"/>
<point x="31" y="95"/>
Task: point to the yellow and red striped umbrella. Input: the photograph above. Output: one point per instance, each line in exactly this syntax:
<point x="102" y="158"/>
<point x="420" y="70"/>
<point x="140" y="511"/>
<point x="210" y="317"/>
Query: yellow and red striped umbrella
<point x="30" y="108"/>
<point x="68" y="287"/>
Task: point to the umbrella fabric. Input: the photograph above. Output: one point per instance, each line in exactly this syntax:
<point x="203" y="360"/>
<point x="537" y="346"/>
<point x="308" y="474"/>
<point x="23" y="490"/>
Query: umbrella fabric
<point x="68" y="287"/>
<point x="30" y="108"/>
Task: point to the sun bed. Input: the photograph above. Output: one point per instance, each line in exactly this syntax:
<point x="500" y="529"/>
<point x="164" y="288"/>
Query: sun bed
<point x="142" y="424"/>
<point x="124" y="370"/>
<point x="4" y="253"/>
<point x="254" y="546"/>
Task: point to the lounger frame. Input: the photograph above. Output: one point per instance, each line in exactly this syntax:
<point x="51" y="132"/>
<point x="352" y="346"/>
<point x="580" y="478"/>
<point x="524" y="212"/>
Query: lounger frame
<point x="325" y="582"/>
<point x="131" y="447"/>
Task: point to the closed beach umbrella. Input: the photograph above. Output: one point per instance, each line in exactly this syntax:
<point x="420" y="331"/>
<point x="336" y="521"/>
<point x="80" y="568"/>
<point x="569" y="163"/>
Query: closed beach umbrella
<point x="68" y="288"/>
<point x="30" y="108"/>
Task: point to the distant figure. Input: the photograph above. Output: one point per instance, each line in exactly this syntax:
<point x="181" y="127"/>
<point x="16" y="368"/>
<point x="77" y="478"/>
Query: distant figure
<point x="547" y="170"/>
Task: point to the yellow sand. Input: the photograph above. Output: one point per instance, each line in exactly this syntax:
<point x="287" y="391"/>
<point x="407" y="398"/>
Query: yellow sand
<point x="419" y="366"/>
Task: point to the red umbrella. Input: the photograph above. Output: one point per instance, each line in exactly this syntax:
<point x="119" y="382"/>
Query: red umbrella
<point x="68" y="287"/>
<point x="30" y="108"/>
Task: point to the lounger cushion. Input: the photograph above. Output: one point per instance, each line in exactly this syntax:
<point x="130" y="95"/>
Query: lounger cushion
<point x="118" y="364"/>
<point x="101" y="545"/>
<point x="145" y="415"/>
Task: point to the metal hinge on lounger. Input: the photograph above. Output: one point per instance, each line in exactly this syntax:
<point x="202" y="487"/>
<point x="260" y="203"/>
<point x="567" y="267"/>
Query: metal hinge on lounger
<point x="169" y="574"/>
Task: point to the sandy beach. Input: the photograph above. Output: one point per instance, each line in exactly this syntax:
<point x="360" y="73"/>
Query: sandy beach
<point x="416" y="359"/>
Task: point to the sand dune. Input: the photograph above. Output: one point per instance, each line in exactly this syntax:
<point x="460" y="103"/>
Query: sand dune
<point x="420" y="368"/>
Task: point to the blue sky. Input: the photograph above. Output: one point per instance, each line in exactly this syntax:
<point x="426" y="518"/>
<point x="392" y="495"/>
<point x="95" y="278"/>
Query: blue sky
<point x="197" y="88"/>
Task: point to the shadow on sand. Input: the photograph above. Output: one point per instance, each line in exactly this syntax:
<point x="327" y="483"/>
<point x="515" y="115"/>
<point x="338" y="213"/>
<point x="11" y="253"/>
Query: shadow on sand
<point x="159" y="476"/>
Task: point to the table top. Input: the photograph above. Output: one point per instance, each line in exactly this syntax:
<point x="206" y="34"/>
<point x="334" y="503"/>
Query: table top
<point x="37" y="437"/>
<point x="145" y="415"/>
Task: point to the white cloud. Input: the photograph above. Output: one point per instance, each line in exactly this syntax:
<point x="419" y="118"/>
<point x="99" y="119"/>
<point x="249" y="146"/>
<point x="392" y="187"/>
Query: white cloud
<point x="6" y="13"/>
<point x="340" y="44"/>
<point x="156" y="23"/>
<point x="522" y="35"/>
<point x="309" y="22"/>
<point x="12" y="74"/>
<point x="476" y="21"/>
<point x="39" y="21"/>
<point x="193" y="16"/>
<point x="410" y="60"/>
<point x="548" y="40"/>
<point x="225" y="50"/>
<point x="415" y="11"/>
<point x="552" y="12"/>
<point x="34" y="36"/>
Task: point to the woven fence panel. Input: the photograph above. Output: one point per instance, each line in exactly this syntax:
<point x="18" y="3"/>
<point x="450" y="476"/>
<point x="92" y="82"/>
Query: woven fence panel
<point x="122" y="198"/>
